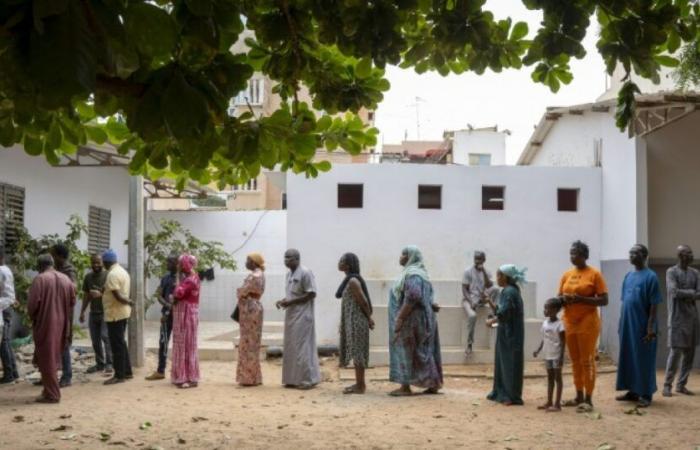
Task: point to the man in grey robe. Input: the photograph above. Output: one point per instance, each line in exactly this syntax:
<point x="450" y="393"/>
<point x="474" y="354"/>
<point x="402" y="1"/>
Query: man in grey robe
<point x="683" y="285"/>
<point x="476" y="288"/>
<point x="300" y="366"/>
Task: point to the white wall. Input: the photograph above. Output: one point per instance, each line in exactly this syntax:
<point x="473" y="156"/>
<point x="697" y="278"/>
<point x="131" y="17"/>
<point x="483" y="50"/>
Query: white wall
<point x="529" y="232"/>
<point x="479" y="141"/>
<point x="570" y="143"/>
<point x="53" y="194"/>
<point x="241" y="232"/>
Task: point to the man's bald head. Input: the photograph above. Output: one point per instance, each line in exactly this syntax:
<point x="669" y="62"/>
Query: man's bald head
<point x="292" y="258"/>
<point x="44" y="262"/>
<point x="685" y="256"/>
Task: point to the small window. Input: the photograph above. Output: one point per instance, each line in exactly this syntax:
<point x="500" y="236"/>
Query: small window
<point x="284" y="200"/>
<point x="370" y="117"/>
<point x="493" y="197"/>
<point x="350" y="195"/>
<point x="567" y="199"/>
<point x="11" y="214"/>
<point x="479" y="159"/>
<point x="99" y="229"/>
<point x="429" y="197"/>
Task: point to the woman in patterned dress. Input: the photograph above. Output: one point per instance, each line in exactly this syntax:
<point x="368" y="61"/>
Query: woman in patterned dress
<point x="250" y="312"/>
<point x="355" y="321"/>
<point x="185" y="366"/>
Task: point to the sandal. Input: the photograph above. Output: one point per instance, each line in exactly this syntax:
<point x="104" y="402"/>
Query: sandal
<point x="584" y="408"/>
<point x="628" y="397"/>
<point x="571" y="403"/>
<point x="431" y="391"/>
<point x="354" y="389"/>
<point x="553" y="409"/>
<point x="544" y="407"/>
<point x="400" y="393"/>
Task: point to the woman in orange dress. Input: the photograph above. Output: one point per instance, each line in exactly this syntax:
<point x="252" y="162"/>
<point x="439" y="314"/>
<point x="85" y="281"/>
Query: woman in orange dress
<point x="582" y="290"/>
<point x="250" y="312"/>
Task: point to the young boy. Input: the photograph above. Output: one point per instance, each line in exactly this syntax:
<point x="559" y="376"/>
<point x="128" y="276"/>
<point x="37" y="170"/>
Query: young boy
<point x="553" y="344"/>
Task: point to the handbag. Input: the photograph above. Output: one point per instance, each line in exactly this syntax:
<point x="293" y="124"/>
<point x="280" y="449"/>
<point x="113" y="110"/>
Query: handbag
<point x="235" y="314"/>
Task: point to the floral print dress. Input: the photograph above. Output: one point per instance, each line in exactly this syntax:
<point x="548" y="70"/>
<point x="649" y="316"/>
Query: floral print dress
<point x="250" y="312"/>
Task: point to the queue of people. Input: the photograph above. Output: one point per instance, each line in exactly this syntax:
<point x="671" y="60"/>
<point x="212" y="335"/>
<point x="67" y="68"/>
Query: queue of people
<point x="414" y="341"/>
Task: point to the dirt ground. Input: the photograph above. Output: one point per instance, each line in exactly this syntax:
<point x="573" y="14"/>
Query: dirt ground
<point x="220" y="415"/>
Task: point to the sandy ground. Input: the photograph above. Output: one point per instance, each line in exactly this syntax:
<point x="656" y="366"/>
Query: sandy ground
<point x="220" y="415"/>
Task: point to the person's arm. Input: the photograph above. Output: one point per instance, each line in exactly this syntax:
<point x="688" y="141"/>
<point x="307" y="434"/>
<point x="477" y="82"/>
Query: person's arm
<point x="413" y="293"/>
<point x="120" y="298"/>
<point x="654" y="295"/>
<point x="651" y="334"/>
<point x="34" y="299"/>
<point x="361" y="300"/>
<point x="536" y="353"/>
<point x="465" y="291"/>
<point x="598" y="300"/>
<point x="85" y="304"/>
<point x="487" y="280"/>
<point x="308" y="284"/>
<point x="4" y="303"/>
<point x="159" y="296"/>
<point x="674" y="291"/>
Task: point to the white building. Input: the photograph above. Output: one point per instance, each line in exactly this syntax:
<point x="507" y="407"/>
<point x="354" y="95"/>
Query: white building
<point x="479" y="147"/>
<point x="649" y="182"/>
<point x="42" y="198"/>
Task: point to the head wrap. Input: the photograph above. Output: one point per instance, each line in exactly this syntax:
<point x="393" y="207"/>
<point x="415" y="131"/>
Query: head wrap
<point x="109" y="256"/>
<point x="258" y="259"/>
<point x="514" y="273"/>
<point x="187" y="262"/>
<point x="353" y="263"/>
<point x="414" y="266"/>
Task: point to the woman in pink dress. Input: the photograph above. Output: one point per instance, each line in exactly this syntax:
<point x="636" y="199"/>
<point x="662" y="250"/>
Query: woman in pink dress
<point x="185" y="364"/>
<point x="250" y="312"/>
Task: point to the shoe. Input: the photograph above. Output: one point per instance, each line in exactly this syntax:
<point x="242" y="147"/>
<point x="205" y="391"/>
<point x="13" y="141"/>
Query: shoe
<point x="684" y="390"/>
<point x="469" y="350"/>
<point x="65" y="383"/>
<point x="628" y="397"/>
<point x="109" y="370"/>
<point x="643" y="402"/>
<point x="113" y="380"/>
<point x="667" y="392"/>
<point x="42" y="399"/>
<point x="94" y="369"/>
<point x="8" y="380"/>
<point x="129" y="377"/>
<point x="155" y="376"/>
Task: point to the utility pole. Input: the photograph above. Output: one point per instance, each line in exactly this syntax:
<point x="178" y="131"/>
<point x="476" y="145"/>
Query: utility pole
<point x="136" y="230"/>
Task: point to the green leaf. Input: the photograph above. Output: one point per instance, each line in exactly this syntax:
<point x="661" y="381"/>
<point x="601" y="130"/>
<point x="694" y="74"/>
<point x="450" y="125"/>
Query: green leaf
<point x="324" y="123"/>
<point x="363" y="69"/>
<point x="519" y="31"/>
<point x="202" y="8"/>
<point x="184" y="109"/>
<point x="96" y="134"/>
<point x="55" y="137"/>
<point x="151" y="29"/>
<point x="33" y="145"/>
<point x="323" y="166"/>
<point x="665" y="60"/>
<point x="117" y="131"/>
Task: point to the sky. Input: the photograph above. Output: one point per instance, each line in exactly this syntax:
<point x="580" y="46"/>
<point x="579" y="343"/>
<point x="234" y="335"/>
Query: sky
<point x="509" y="99"/>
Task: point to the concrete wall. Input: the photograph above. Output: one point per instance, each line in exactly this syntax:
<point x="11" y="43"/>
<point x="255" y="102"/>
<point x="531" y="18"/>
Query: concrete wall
<point x="529" y="232"/>
<point x="480" y="142"/>
<point x="241" y="232"/>
<point x="674" y="211"/>
<point x="53" y="194"/>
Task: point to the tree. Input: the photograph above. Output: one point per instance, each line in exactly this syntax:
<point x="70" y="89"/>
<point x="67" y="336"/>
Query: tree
<point x="155" y="77"/>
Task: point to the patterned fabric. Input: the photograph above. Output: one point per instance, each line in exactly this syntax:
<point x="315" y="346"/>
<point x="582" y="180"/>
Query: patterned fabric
<point x="509" y="354"/>
<point x="188" y="289"/>
<point x="185" y="364"/>
<point x="415" y="266"/>
<point x="248" y="371"/>
<point x="354" y="332"/>
<point x="415" y="355"/>
<point x="187" y="262"/>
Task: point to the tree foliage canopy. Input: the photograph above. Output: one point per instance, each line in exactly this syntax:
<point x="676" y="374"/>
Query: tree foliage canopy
<point x="156" y="77"/>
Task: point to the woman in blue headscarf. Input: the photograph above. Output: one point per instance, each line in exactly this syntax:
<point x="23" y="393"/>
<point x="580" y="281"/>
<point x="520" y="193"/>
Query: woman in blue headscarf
<point x="414" y="343"/>
<point x="508" y="370"/>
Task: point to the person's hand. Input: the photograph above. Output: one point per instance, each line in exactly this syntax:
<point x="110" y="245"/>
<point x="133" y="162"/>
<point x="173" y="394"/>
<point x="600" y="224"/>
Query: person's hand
<point x="171" y="299"/>
<point x="490" y="322"/>
<point x="535" y="354"/>
<point x="94" y="293"/>
<point x="436" y="307"/>
<point x="162" y="319"/>
<point x="82" y="317"/>
<point x="282" y="304"/>
<point x="371" y="323"/>
<point x="650" y="336"/>
<point x="15" y="304"/>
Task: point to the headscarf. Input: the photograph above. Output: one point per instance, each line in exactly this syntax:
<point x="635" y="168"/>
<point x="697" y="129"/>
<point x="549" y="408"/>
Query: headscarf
<point x="109" y="256"/>
<point x="513" y="272"/>
<point x="353" y="263"/>
<point x="187" y="262"/>
<point x="258" y="259"/>
<point x="414" y="266"/>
